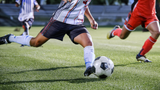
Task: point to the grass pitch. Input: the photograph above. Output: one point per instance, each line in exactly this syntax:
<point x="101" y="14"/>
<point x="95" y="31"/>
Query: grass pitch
<point x="60" y="66"/>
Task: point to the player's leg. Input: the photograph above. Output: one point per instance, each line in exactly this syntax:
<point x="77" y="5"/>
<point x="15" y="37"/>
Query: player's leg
<point x="85" y="41"/>
<point x="154" y="29"/>
<point x="124" y="32"/>
<point x="17" y="39"/>
<point x="155" y="32"/>
<point x="25" y="40"/>
<point x="38" y="40"/>
<point x="117" y="31"/>
<point x="27" y="25"/>
<point x="26" y="28"/>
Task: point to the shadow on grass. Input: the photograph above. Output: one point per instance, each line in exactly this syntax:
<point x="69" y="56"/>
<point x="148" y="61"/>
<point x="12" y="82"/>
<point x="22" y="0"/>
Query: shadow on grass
<point x="81" y="66"/>
<point x="127" y="64"/>
<point x="47" y="69"/>
<point x="78" y="80"/>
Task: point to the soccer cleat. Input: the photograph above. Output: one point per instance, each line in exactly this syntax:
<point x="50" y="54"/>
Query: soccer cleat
<point x="109" y="34"/>
<point x="142" y="58"/>
<point x="22" y="45"/>
<point x="5" y="39"/>
<point x="88" y="71"/>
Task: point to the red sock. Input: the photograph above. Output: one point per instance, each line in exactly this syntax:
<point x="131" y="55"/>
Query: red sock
<point x="117" y="32"/>
<point x="147" y="46"/>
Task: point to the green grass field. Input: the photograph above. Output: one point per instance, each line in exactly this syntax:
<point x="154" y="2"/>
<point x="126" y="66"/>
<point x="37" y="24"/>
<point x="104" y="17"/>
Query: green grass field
<point x="60" y="65"/>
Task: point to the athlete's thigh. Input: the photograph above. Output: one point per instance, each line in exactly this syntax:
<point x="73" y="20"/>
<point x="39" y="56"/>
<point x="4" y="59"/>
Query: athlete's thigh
<point x="84" y="39"/>
<point x="75" y="33"/>
<point x="154" y="29"/>
<point x="132" y="21"/>
<point x="55" y="29"/>
<point x="80" y="35"/>
<point x="152" y="24"/>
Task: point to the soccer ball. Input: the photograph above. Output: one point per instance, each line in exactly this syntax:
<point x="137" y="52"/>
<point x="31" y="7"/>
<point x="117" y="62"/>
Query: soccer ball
<point x="103" y="67"/>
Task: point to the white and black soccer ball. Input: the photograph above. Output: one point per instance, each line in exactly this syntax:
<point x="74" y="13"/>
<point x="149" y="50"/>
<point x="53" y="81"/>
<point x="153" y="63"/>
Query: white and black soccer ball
<point x="103" y="67"/>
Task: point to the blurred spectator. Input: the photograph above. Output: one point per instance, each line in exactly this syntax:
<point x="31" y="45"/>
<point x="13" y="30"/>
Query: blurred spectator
<point x="95" y="2"/>
<point x="130" y="2"/>
<point x="53" y="1"/>
<point x="8" y="1"/>
<point x="110" y="2"/>
<point x="158" y="8"/>
<point x="43" y="2"/>
<point x="119" y="2"/>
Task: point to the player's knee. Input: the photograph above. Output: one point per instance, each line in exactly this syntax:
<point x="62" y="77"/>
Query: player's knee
<point x="122" y="37"/>
<point x="89" y="43"/>
<point x="37" y="44"/>
<point x="156" y="34"/>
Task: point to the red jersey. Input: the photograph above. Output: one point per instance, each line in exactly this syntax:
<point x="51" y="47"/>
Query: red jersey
<point x="145" y="7"/>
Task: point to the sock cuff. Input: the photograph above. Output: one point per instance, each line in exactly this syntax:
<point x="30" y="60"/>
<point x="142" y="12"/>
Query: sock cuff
<point x="152" y="39"/>
<point x="89" y="48"/>
<point x="117" y="32"/>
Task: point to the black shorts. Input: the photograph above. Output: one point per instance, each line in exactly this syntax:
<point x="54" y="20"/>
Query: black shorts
<point x="57" y="30"/>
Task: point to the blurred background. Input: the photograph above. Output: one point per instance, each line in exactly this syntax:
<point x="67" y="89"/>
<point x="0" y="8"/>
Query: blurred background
<point x="106" y="12"/>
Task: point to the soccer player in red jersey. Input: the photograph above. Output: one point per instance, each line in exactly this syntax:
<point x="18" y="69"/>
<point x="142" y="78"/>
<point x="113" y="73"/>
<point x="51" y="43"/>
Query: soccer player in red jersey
<point x="142" y="13"/>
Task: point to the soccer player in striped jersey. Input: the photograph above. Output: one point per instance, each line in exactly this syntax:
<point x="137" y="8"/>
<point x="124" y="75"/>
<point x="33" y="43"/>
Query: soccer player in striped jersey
<point x="26" y="14"/>
<point x="142" y="13"/>
<point x="68" y="19"/>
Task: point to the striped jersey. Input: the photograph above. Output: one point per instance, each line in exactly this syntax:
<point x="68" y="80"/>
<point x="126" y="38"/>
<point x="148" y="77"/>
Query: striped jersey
<point x="26" y="9"/>
<point x="71" y="12"/>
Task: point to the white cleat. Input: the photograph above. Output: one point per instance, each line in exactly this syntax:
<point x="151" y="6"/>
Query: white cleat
<point x="142" y="59"/>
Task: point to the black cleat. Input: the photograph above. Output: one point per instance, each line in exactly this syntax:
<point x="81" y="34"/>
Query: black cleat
<point x="88" y="71"/>
<point x="5" y="39"/>
<point x="22" y="45"/>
